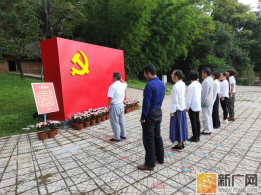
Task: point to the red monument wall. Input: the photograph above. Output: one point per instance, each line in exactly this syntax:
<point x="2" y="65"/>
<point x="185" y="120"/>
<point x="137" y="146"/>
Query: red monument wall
<point x="81" y="74"/>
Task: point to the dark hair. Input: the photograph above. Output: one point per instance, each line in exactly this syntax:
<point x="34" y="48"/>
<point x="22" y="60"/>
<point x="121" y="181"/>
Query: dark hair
<point x="179" y="74"/>
<point x="216" y="74"/>
<point x="207" y="70"/>
<point x="193" y="75"/>
<point x="117" y="75"/>
<point x="226" y="75"/>
<point x="150" y="68"/>
<point x="232" y="72"/>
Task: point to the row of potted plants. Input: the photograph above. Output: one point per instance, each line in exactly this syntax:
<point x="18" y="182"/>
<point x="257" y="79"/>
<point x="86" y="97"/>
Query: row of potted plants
<point x="90" y="117"/>
<point x="50" y="128"/>
<point x="130" y="105"/>
<point x="93" y="116"/>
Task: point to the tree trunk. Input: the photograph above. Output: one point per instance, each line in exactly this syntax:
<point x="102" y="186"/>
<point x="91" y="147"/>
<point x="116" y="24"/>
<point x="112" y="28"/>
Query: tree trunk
<point x="42" y="72"/>
<point x="18" y="63"/>
<point x="48" y="17"/>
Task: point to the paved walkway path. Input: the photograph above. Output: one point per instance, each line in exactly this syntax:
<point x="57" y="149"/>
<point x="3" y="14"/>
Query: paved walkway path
<point x="84" y="162"/>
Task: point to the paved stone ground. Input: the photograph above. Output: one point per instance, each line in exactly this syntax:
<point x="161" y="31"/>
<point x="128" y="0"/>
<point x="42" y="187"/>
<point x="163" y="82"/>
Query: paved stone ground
<point x="83" y="162"/>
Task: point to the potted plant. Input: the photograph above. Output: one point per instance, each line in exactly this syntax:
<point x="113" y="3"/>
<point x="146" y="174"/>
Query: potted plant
<point x="54" y="126"/>
<point x="127" y="110"/>
<point x="103" y="110"/>
<point x="41" y="127"/>
<point x="93" y="118"/>
<point x="98" y="116"/>
<point x="79" y="122"/>
<point x="107" y="113"/>
<point x="132" y="105"/>
<point x="136" y="104"/>
<point x="86" y="120"/>
<point x="73" y="122"/>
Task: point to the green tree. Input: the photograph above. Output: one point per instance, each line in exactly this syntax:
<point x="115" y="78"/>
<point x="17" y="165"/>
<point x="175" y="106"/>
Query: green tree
<point x="20" y="29"/>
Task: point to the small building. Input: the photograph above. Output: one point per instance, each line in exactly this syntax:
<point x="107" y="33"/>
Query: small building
<point x="28" y="66"/>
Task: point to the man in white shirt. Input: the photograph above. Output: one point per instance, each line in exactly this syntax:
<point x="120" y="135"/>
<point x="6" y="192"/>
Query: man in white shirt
<point x="116" y="96"/>
<point x="194" y="105"/>
<point x="207" y="101"/>
<point x="216" y="89"/>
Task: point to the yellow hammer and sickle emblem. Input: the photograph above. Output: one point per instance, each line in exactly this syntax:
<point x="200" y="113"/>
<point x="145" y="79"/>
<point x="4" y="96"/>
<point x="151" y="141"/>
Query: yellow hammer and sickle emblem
<point x="84" y="66"/>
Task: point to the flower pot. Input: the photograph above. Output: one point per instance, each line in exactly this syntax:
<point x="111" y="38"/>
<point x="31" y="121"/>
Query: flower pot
<point x="41" y="135"/>
<point x="98" y="120"/>
<point x="79" y="126"/>
<point x="56" y="131"/>
<point x="51" y="134"/>
<point x="103" y="118"/>
<point x="87" y="124"/>
<point x="124" y="111"/>
<point x="107" y="117"/>
<point x="132" y="108"/>
<point x="127" y="110"/>
<point x="93" y="122"/>
<point x="73" y="124"/>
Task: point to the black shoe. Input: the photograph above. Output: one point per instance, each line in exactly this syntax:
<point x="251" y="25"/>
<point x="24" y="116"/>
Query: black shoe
<point x="114" y="140"/>
<point x="123" y="137"/>
<point x="177" y="148"/>
<point x="192" y="139"/>
<point x="203" y="132"/>
<point x="183" y="146"/>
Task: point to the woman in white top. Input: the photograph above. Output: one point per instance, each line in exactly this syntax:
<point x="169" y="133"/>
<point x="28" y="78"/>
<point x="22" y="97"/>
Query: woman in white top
<point x="178" y="119"/>
<point x="223" y="95"/>
<point x="216" y="89"/>
<point x="232" y="94"/>
<point x="194" y="105"/>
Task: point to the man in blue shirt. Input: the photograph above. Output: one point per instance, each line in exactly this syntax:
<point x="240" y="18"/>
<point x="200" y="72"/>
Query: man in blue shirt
<point x="151" y="118"/>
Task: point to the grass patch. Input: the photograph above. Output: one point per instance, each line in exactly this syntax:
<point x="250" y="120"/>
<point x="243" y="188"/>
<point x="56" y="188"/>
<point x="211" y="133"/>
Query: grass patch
<point x="141" y="85"/>
<point x="17" y="104"/>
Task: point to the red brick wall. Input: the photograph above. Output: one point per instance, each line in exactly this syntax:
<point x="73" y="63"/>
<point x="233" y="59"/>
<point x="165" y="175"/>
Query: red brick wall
<point x="28" y="67"/>
<point x="4" y="68"/>
<point x="31" y="66"/>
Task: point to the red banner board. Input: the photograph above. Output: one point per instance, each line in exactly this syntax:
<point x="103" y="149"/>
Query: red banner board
<point x="81" y="74"/>
<point x="45" y="98"/>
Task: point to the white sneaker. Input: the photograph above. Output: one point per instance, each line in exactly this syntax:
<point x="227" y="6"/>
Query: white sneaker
<point x="225" y="121"/>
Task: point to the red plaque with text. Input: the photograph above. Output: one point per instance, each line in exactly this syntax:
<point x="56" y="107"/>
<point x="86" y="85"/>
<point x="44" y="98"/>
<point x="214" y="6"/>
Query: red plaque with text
<point x="81" y="74"/>
<point x="45" y="98"/>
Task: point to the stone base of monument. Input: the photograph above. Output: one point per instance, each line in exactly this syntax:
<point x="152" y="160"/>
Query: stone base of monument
<point x="65" y="124"/>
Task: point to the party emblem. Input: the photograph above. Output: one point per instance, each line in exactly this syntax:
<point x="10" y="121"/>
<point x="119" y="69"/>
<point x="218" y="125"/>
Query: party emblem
<point x="84" y="65"/>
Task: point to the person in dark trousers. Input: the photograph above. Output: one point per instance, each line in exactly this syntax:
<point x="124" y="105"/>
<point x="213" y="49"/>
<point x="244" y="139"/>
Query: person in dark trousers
<point x="224" y="94"/>
<point x="194" y="105"/>
<point x="151" y="118"/>
<point x="216" y="90"/>
<point x="232" y="95"/>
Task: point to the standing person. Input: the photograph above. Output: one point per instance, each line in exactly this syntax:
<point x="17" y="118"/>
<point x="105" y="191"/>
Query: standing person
<point x="232" y="95"/>
<point x="223" y="95"/>
<point x="194" y="105"/>
<point x="207" y="101"/>
<point x="216" y="89"/>
<point x="151" y="118"/>
<point x="116" y="96"/>
<point x="178" y="130"/>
